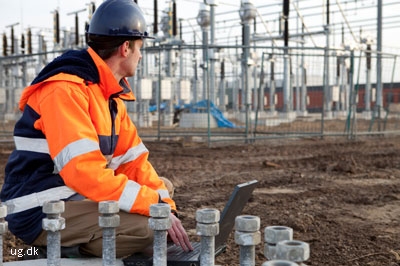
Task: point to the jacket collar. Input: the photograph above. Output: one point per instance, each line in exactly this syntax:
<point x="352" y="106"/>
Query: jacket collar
<point x="110" y="86"/>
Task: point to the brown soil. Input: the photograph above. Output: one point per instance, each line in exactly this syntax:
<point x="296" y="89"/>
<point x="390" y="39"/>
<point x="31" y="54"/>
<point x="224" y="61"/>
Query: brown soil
<point x="340" y="196"/>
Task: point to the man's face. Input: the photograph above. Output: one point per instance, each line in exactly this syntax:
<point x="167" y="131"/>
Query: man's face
<point x="133" y="58"/>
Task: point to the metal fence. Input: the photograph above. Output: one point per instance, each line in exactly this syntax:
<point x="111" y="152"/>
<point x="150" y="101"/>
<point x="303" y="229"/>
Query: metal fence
<point x="244" y="93"/>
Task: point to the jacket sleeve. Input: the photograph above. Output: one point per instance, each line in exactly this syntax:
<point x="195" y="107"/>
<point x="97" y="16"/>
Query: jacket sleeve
<point x="131" y="159"/>
<point x="68" y="123"/>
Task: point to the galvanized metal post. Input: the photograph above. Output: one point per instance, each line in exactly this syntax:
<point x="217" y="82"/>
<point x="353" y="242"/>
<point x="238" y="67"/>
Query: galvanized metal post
<point x="247" y="235"/>
<point x="245" y="70"/>
<point x="53" y="223"/>
<point x="379" y="85"/>
<point x="213" y="4"/>
<point x="247" y="13"/>
<point x="205" y="64"/>
<point x="303" y="101"/>
<point x="3" y="229"/>
<point x="203" y="19"/>
<point x="272" y="83"/>
<point x="207" y="227"/>
<point x="327" y="88"/>
<point x="160" y="223"/>
<point x="109" y="220"/>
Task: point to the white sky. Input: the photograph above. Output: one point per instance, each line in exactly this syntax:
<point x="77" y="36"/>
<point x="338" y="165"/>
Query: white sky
<point x="38" y="14"/>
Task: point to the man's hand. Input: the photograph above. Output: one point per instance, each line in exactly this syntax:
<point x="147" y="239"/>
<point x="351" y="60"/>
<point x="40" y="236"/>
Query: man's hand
<point x="178" y="234"/>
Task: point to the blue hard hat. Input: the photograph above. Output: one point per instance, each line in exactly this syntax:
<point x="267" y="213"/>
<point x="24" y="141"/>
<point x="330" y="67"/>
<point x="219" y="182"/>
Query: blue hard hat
<point x="119" y="18"/>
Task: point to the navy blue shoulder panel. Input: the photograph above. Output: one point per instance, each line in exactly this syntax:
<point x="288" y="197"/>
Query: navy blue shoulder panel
<point x="24" y="126"/>
<point x="73" y="62"/>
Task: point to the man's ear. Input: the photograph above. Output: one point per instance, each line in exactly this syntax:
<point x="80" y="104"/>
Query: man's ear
<point x="123" y="49"/>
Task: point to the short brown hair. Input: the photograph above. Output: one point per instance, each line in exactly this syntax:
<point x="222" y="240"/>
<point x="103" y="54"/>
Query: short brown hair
<point x="106" y="46"/>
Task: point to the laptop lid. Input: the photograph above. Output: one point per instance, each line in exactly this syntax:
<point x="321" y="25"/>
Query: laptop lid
<point x="234" y="207"/>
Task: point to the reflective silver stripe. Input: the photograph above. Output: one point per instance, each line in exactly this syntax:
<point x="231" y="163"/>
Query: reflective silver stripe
<point x="129" y="196"/>
<point x="31" y="144"/>
<point x="108" y="158"/>
<point x="73" y="150"/>
<point x="163" y="193"/>
<point x="37" y="199"/>
<point x="132" y="154"/>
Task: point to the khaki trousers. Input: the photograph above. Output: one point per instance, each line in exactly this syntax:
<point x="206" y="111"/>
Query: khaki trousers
<point x="81" y="228"/>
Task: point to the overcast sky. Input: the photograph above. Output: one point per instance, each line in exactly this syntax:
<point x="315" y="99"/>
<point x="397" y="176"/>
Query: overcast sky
<point x="38" y="14"/>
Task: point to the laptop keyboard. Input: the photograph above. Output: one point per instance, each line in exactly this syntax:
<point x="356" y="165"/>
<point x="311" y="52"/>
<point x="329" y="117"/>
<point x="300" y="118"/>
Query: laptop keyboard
<point x="176" y="252"/>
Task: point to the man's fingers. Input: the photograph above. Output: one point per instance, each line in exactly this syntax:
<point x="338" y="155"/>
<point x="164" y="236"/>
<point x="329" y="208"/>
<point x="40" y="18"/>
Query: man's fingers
<point x="178" y="234"/>
<point x="172" y="235"/>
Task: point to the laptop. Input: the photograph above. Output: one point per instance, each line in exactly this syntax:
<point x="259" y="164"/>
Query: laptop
<point x="177" y="257"/>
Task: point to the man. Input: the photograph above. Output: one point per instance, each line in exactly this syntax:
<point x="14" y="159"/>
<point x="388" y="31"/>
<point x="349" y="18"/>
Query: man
<point x="75" y="142"/>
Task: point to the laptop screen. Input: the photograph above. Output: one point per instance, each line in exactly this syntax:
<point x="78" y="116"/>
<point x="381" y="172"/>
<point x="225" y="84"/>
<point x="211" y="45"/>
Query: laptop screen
<point x="234" y="207"/>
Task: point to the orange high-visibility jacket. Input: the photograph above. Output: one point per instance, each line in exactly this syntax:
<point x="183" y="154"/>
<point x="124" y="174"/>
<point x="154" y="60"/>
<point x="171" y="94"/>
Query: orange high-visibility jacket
<point x="75" y="137"/>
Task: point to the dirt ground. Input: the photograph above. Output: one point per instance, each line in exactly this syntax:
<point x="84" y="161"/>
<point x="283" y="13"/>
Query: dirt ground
<point x="340" y="196"/>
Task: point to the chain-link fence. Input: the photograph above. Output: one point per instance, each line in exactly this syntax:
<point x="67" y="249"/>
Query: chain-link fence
<point x="217" y="93"/>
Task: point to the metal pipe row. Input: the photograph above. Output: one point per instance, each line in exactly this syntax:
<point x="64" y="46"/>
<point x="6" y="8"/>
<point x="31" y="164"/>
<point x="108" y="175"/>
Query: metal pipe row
<point x="280" y="248"/>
